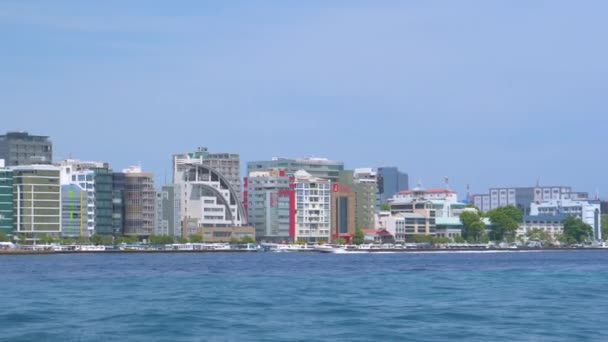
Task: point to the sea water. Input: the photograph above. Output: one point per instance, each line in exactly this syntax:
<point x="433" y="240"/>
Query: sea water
<point x="536" y="296"/>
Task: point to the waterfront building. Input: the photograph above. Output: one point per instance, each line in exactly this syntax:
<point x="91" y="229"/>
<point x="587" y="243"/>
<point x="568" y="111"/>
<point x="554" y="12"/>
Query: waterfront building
<point x="365" y="186"/>
<point x="390" y="181"/>
<point x="313" y="211"/>
<point x="342" y="210"/>
<point x="95" y="180"/>
<point x="139" y="202"/>
<point x="207" y="198"/>
<point x="118" y="206"/>
<point x="36" y="200"/>
<point x="168" y="211"/>
<point x="550" y="223"/>
<point x="224" y="234"/>
<point x="270" y="204"/>
<point x="73" y="211"/>
<point x="444" y="201"/>
<point x="6" y="199"/>
<point x="316" y="167"/>
<point x="226" y="164"/>
<point x="586" y="210"/>
<point x="523" y="197"/>
<point x="21" y="148"/>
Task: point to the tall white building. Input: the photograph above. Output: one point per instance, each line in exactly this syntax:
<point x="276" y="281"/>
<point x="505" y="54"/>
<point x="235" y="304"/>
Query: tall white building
<point x="313" y="212"/>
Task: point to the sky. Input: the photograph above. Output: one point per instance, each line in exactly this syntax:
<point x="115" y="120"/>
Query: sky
<point x="487" y="93"/>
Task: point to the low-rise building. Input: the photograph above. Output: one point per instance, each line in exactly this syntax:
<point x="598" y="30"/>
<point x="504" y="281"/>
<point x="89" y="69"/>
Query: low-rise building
<point x="586" y="210"/>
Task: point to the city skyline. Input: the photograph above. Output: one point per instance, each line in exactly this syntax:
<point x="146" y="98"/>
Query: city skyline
<point x="488" y="94"/>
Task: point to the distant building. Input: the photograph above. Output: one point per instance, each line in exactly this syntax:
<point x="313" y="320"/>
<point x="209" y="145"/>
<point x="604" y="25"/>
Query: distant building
<point x="6" y="200"/>
<point x="365" y="185"/>
<point x="316" y="167"/>
<point x="119" y="187"/>
<point x="139" y="202"/>
<point x="36" y="200"/>
<point x="586" y="210"/>
<point x="95" y="180"/>
<point x="207" y="197"/>
<point x="390" y="181"/>
<point x="552" y="224"/>
<point x="73" y="211"/>
<point x="226" y="164"/>
<point x="313" y="211"/>
<point x="270" y="204"/>
<point x="523" y="197"/>
<point x="342" y="211"/>
<point x="168" y="211"/>
<point x="21" y="148"/>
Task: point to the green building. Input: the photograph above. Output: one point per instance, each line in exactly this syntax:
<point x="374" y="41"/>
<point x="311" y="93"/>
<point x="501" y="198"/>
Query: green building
<point x="103" y="201"/>
<point x="6" y="201"/>
<point x="73" y="214"/>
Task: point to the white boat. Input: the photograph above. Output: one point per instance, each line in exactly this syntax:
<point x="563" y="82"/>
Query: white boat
<point x="329" y="249"/>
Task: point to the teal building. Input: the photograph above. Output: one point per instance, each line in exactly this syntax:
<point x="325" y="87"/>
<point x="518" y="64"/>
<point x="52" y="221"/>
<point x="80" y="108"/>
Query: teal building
<point x="6" y="201"/>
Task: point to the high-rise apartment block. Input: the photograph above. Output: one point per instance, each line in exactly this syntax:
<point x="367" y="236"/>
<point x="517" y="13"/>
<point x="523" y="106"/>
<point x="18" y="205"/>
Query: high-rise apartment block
<point x="21" y="148"/>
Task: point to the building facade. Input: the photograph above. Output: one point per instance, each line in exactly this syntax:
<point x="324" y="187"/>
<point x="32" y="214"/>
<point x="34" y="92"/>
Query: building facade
<point x="139" y="203"/>
<point x="365" y="185"/>
<point x="21" y="148"/>
<point x="226" y="164"/>
<point x="317" y="167"/>
<point x="36" y="200"/>
<point x="270" y="204"/>
<point x="6" y="200"/>
<point x="342" y="210"/>
<point x="313" y="211"/>
<point x="523" y="197"/>
<point x="390" y="181"/>
<point x="207" y="198"/>
<point x="168" y="211"/>
<point x="73" y="211"/>
<point x="586" y="210"/>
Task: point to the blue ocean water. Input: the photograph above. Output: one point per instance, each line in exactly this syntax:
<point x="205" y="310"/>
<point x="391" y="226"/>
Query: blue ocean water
<point x="531" y="296"/>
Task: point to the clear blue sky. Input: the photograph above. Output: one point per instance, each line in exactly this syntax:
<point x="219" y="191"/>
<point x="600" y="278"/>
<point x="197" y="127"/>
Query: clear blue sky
<point x="485" y="92"/>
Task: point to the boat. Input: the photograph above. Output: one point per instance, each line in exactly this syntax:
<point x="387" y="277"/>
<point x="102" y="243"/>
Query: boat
<point x="329" y="249"/>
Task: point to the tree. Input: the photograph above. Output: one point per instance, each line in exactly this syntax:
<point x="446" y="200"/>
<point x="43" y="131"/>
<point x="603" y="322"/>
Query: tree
<point x="473" y="226"/>
<point x="195" y="238"/>
<point x="385" y="207"/>
<point x="247" y="239"/>
<point x="359" y="237"/>
<point x="505" y="221"/>
<point x="3" y="237"/>
<point x="46" y="239"/>
<point x="160" y="239"/>
<point x="234" y="240"/>
<point x="96" y="239"/>
<point x="340" y="241"/>
<point x="459" y="239"/>
<point x="576" y="230"/>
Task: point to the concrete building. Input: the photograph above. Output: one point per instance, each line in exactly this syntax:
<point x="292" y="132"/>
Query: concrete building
<point x="316" y="167"/>
<point x="6" y="200"/>
<point x="390" y="181"/>
<point x="207" y="198"/>
<point x="36" y="200"/>
<point x="342" y="211"/>
<point x="73" y="211"/>
<point x="21" y="148"/>
<point x="95" y="179"/>
<point x="523" y="197"/>
<point x="270" y="204"/>
<point x="118" y="202"/>
<point x="586" y="210"/>
<point x="224" y="234"/>
<point x="313" y="211"/>
<point x="365" y="185"/>
<point x="168" y="211"/>
<point x="139" y="202"/>
<point x="552" y="224"/>
<point x="226" y="164"/>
